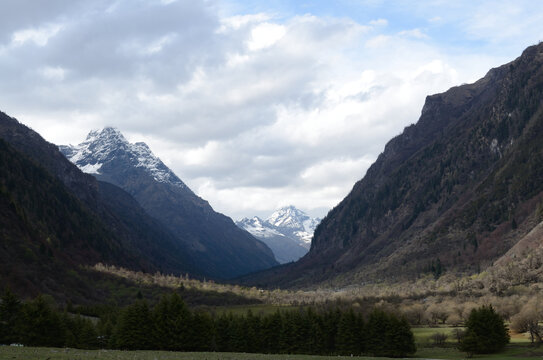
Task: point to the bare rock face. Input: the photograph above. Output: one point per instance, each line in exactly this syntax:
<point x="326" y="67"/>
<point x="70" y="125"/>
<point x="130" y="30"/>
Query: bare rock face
<point x="460" y="186"/>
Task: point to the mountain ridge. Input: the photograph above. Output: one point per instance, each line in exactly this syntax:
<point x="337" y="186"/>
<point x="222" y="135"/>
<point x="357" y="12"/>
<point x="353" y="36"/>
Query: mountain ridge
<point x="118" y="217"/>
<point x="212" y="239"/>
<point x="457" y="186"/>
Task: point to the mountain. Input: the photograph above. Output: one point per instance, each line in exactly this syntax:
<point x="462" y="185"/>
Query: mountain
<point x="294" y="223"/>
<point x="459" y="188"/>
<point x="288" y="232"/>
<point x="56" y="221"/>
<point x="212" y="240"/>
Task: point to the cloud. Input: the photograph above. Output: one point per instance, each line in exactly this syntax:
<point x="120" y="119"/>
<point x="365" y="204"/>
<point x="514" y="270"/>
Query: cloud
<point x="379" y="22"/>
<point x="414" y="33"/>
<point x="253" y="110"/>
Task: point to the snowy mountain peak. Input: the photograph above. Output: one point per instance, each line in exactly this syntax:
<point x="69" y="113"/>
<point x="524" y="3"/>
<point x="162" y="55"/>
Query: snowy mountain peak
<point x="290" y="217"/>
<point x="108" y="146"/>
<point x="288" y="232"/>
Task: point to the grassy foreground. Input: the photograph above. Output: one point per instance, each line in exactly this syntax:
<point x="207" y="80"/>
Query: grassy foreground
<point x="513" y="352"/>
<point x="31" y="353"/>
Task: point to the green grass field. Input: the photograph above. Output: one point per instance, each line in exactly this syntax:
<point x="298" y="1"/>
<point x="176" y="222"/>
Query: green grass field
<point x="519" y="349"/>
<point x="29" y="353"/>
<point x="513" y="352"/>
<point x="423" y="335"/>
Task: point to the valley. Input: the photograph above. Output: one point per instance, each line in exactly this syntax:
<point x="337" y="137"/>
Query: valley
<point x="104" y="246"/>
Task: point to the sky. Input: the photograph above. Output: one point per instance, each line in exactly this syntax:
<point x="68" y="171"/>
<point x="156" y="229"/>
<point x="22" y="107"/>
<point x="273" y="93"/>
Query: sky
<point x="253" y="104"/>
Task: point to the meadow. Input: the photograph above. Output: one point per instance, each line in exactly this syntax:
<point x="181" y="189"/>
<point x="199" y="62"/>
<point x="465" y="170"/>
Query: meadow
<point x="512" y="352"/>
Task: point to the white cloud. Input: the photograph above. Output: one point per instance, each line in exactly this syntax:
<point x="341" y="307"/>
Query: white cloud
<point x="252" y="111"/>
<point x="414" y="33"/>
<point x="265" y="35"/>
<point x="38" y="36"/>
<point x="379" y="22"/>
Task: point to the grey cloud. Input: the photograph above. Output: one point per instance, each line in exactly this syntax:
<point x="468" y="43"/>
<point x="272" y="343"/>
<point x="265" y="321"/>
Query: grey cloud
<point x="22" y="14"/>
<point x="113" y="44"/>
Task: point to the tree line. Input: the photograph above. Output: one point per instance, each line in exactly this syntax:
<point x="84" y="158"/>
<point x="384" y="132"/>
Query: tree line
<point x="171" y="325"/>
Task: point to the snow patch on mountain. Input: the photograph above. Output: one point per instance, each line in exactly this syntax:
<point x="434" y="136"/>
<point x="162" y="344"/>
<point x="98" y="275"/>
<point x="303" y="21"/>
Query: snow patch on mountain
<point x="102" y="146"/>
<point x="257" y="227"/>
<point x="91" y="168"/>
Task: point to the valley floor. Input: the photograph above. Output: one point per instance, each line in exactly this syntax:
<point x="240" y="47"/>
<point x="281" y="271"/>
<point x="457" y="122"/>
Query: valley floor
<point x="512" y="352"/>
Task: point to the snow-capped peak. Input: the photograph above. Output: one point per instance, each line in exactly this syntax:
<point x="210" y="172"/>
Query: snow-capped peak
<point x="106" y="145"/>
<point x="288" y="232"/>
<point x="289" y="217"/>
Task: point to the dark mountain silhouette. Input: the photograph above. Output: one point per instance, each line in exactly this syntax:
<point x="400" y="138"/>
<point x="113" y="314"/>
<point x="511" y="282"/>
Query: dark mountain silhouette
<point x="60" y="219"/>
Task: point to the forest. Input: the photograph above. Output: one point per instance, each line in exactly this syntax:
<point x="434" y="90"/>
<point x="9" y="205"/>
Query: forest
<point x="171" y="325"/>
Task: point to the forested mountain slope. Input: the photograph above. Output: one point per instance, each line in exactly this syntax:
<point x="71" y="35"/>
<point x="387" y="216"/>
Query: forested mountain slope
<point x="56" y="217"/>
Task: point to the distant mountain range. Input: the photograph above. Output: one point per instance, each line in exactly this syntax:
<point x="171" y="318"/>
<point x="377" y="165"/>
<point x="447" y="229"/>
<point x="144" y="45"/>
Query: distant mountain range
<point x="459" y="188"/>
<point x="213" y="242"/>
<point x="288" y="232"/>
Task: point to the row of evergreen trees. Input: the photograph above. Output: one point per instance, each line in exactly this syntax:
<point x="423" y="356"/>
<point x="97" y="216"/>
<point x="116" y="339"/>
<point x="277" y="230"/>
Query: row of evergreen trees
<point x="171" y="325"/>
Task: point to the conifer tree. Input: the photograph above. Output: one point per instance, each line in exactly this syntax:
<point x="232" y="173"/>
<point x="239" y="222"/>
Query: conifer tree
<point x="253" y="337"/>
<point x="486" y="332"/>
<point x="135" y="327"/>
<point x="402" y="341"/>
<point x="222" y="334"/>
<point x="377" y="330"/>
<point x="172" y="324"/>
<point x="42" y="326"/>
<point x="389" y="336"/>
<point x="330" y="326"/>
<point x="271" y="329"/>
<point x="202" y="331"/>
<point x="349" y="334"/>
<point x="10" y="318"/>
<point x="236" y="331"/>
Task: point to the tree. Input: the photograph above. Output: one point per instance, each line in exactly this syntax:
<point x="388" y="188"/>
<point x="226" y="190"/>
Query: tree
<point x="271" y="328"/>
<point x="201" y="331"/>
<point x="349" y="334"/>
<point x="401" y="337"/>
<point x="469" y="343"/>
<point x="135" y="327"/>
<point x="80" y="332"/>
<point x="388" y="335"/>
<point x="10" y="318"/>
<point x="527" y="320"/>
<point x="172" y="324"/>
<point x="41" y="324"/>
<point x="486" y="332"/>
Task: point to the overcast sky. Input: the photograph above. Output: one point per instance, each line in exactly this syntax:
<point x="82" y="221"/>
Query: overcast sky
<point x="253" y="104"/>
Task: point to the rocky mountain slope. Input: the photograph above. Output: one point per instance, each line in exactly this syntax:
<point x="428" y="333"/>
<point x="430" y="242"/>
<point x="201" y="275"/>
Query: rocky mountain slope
<point x="213" y="241"/>
<point x="288" y="232"/>
<point x="55" y="221"/>
<point x="459" y="187"/>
